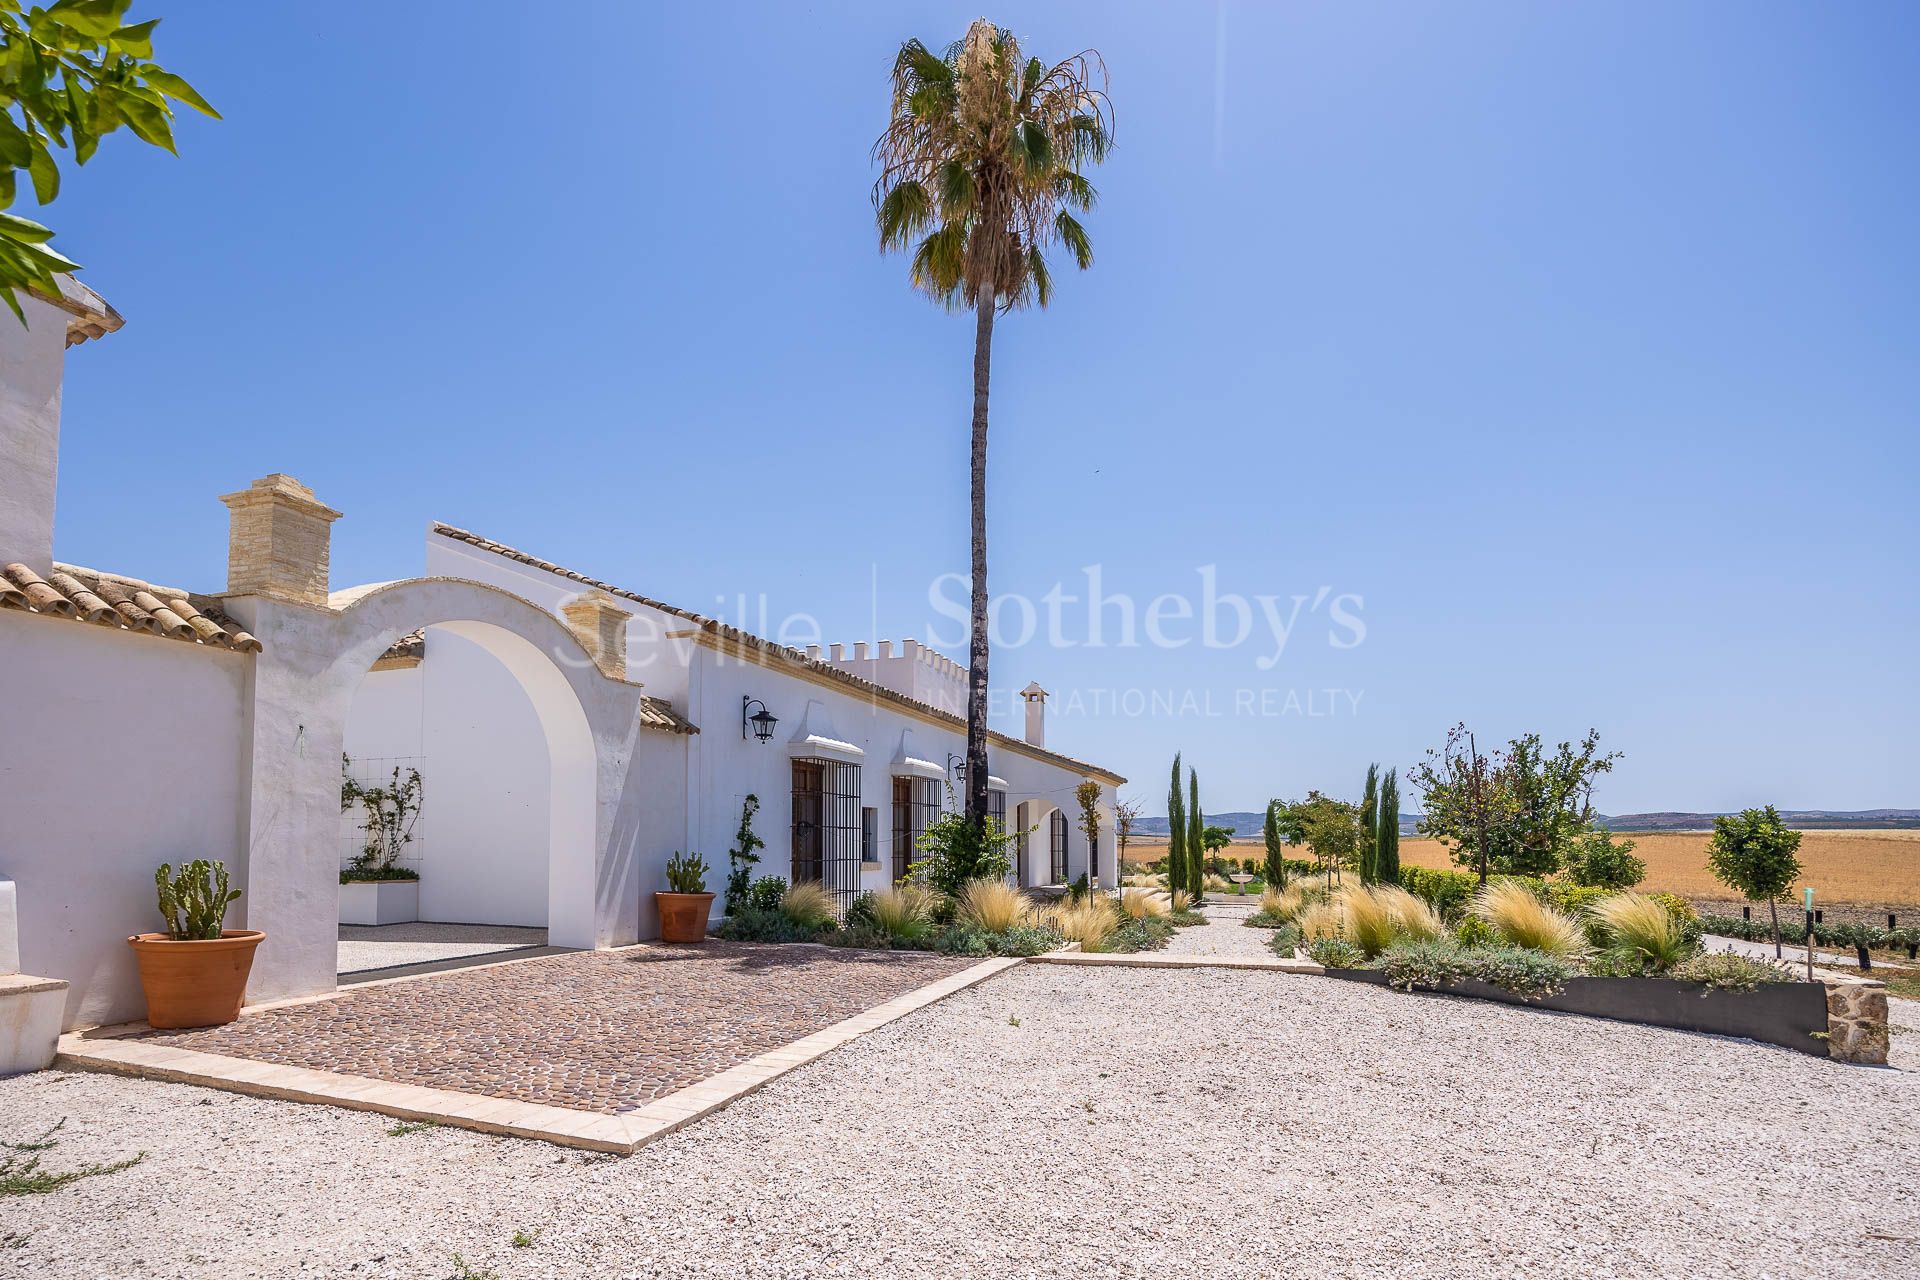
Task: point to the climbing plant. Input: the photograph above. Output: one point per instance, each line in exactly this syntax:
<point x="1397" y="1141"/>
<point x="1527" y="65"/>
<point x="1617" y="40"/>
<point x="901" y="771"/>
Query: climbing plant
<point x="741" y="858"/>
<point x="389" y="813"/>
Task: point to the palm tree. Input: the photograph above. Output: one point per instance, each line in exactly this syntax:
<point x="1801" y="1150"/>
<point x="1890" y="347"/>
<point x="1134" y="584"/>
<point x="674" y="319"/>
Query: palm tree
<point x="980" y="175"/>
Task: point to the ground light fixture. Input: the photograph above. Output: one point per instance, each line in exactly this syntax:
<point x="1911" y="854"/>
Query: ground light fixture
<point x="761" y="722"/>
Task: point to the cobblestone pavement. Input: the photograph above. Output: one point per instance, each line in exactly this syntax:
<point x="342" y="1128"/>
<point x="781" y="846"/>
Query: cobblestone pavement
<point x="605" y="1031"/>
<point x="1224" y="933"/>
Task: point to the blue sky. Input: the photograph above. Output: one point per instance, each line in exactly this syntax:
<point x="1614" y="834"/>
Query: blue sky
<point x="1577" y="342"/>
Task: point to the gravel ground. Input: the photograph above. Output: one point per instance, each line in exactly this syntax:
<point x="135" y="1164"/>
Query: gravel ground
<point x="386" y="946"/>
<point x="1054" y="1122"/>
<point x="1224" y="933"/>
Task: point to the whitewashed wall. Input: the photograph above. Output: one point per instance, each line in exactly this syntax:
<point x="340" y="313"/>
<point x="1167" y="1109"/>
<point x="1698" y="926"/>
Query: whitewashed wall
<point x="118" y="752"/>
<point x="482" y="847"/>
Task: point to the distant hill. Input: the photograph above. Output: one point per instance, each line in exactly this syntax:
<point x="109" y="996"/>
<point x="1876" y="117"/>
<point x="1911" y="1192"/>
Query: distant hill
<point x="1248" y="826"/>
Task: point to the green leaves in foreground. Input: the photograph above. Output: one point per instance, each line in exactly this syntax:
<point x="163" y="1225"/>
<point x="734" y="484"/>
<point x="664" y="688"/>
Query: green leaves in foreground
<point x="70" y="74"/>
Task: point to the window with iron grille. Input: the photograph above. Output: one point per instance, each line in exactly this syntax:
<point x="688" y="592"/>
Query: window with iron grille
<point x="1059" y="843"/>
<point x="997" y="807"/>
<point x="916" y="802"/>
<point x="826" y="826"/>
<point x="869" y="834"/>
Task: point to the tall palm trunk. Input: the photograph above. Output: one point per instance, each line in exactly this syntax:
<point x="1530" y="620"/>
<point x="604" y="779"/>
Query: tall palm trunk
<point x="977" y="643"/>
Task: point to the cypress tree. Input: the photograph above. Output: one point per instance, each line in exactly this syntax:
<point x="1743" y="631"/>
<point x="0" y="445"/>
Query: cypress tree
<point x="1176" y="832"/>
<point x="1386" y="850"/>
<point x="1276" y="867"/>
<point x="1369" y="818"/>
<point x="1196" y="847"/>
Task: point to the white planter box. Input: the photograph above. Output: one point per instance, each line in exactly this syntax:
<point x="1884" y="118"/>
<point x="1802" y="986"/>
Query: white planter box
<point x="380" y="902"/>
<point x="30" y="1018"/>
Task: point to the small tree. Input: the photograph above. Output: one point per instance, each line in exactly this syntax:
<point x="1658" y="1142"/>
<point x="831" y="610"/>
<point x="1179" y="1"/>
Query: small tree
<point x="1369" y="816"/>
<point x="1515" y="813"/>
<point x="1597" y="860"/>
<point x="1329" y="827"/>
<point x="1386" y="831"/>
<point x="1754" y="854"/>
<point x="957" y="852"/>
<point x="1215" y="839"/>
<point x="742" y="857"/>
<point x="1196" y="841"/>
<point x="1276" y="864"/>
<point x="1088" y="795"/>
<point x="1176" y="832"/>
<point x="1126" y="820"/>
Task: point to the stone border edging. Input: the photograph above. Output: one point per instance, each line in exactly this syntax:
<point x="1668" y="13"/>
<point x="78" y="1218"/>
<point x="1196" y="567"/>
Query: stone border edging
<point x="1154" y="960"/>
<point x="622" y="1134"/>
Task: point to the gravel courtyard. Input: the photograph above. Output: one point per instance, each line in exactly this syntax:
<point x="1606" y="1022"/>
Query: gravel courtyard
<point x="1053" y="1122"/>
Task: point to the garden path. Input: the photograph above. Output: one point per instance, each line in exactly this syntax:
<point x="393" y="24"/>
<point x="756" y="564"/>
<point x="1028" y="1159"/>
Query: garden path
<point x="1225" y="932"/>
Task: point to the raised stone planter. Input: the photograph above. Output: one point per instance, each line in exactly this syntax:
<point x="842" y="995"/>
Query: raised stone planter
<point x="30" y="1015"/>
<point x="1842" y="1019"/>
<point x="380" y="902"/>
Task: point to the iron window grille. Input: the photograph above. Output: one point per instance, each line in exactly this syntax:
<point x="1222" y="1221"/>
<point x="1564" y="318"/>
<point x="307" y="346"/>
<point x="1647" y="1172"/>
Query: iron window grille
<point x="869" y="834"/>
<point x="1058" y="832"/>
<point x="916" y="803"/>
<point x="827" y="827"/>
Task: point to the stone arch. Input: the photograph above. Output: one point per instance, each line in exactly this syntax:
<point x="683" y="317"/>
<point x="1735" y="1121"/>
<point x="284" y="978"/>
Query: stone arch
<point x="304" y="686"/>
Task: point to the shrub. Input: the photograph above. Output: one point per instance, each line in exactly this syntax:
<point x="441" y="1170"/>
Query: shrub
<point x="1021" y="940"/>
<point x="1334" y="952"/>
<point x="750" y="924"/>
<point x="900" y="914"/>
<point x="765" y="894"/>
<point x="809" y="905"/>
<point x="993" y="906"/>
<point x="1524" y="971"/>
<point x="1449" y="892"/>
<point x="1596" y="860"/>
<point x="1725" y="971"/>
<point x="1138" y="905"/>
<point x="1285" y="941"/>
<point x="1522" y="920"/>
<point x="1472" y="931"/>
<point x="1145" y="934"/>
<point x="954" y="851"/>
<point x="1087" y="922"/>
<point x="1639" y="924"/>
<point x="861" y="935"/>
<point x="686" y="873"/>
<point x="1415" y="962"/>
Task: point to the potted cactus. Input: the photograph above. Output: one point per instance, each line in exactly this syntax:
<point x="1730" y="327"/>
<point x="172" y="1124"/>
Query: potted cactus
<point x="685" y="905"/>
<point x="194" y="974"/>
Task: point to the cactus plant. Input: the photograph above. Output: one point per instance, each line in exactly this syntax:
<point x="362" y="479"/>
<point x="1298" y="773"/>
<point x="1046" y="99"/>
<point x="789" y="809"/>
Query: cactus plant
<point x="687" y="873"/>
<point x="194" y="903"/>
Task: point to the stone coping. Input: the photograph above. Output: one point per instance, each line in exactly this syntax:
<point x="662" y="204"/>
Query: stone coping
<point x="25" y="984"/>
<point x="1154" y="960"/>
<point x="110" y="1049"/>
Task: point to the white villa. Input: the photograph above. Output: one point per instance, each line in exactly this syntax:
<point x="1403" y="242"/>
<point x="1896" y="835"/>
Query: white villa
<point x="571" y="735"/>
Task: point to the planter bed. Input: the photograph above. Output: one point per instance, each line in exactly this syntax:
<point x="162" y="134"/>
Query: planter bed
<point x="1790" y="1014"/>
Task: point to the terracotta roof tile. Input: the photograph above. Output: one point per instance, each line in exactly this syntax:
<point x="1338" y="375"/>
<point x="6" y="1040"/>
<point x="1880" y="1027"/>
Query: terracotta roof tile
<point x="126" y="604"/>
<point x="779" y="652"/>
<point x="658" y="713"/>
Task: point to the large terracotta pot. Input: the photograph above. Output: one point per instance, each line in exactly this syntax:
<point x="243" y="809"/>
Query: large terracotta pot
<point x="194" y="984"/>
<point x="683" y="916"/>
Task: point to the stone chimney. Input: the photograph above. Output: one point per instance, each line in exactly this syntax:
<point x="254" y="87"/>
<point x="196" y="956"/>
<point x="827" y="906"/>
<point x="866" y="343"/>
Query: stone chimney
<point x="279" y="541"/>
<point x="597" y="618"/>
<point x="1036" y="699"/>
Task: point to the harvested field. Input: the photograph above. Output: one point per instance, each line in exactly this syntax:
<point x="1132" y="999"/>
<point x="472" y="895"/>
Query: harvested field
<point x="1869" y="870"/>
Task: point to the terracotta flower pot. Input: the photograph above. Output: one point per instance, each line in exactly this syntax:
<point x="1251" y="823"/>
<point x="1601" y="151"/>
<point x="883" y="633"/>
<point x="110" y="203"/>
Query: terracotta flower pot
<point x="199" y="983"/>
<point x="683" y="916"/>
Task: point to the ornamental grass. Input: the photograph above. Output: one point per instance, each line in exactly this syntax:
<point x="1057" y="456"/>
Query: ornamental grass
<point x="808" y="904"/>
<point x="1141" y="905"/>
<point x="904" y="913"/>
<point x="1642" y="925"/>
<point x="1413" y="916"/>
<point x="1364" y="919"/>
<point x="1321" y="920"/>
<point x="1087" y="922"/>
<point x="1521" y="920"/>
<point x="993" y="906"/>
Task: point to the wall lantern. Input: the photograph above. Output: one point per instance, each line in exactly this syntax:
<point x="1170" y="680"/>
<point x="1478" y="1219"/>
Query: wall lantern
<point x="761" y="721"/>
<point x="957" y="765"/>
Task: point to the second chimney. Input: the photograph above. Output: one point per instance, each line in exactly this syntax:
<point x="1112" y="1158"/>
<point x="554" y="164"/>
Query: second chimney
<point x="1036" y="699"/>
<point x="279" y="541"/>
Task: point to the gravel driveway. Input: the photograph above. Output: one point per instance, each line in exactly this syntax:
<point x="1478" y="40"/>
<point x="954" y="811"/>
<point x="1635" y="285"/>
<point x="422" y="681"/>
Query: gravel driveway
<point x="1071" y="1122"/>
<point x="1225" y="933"/>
